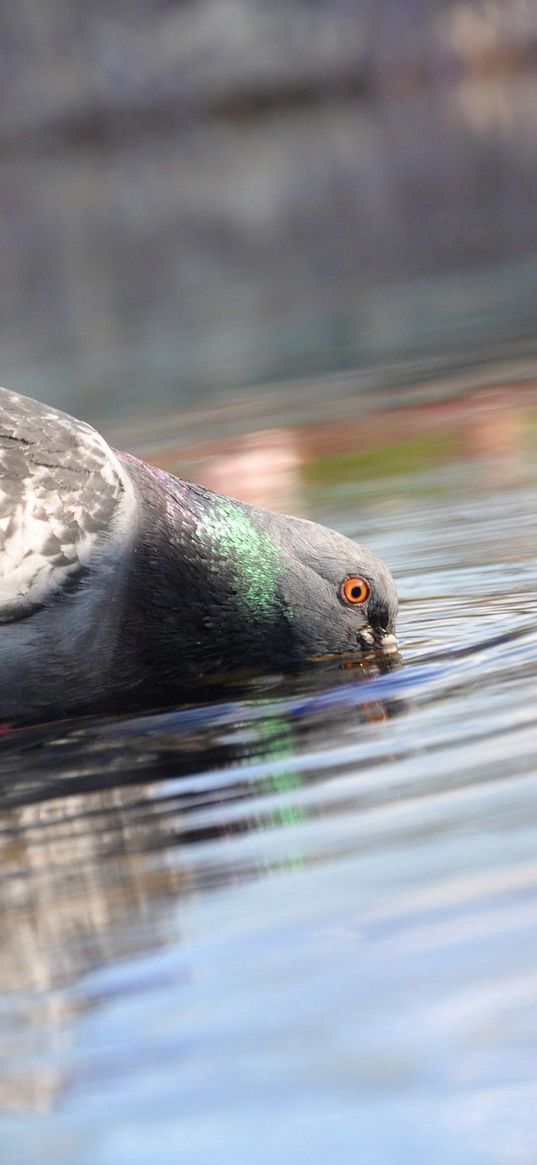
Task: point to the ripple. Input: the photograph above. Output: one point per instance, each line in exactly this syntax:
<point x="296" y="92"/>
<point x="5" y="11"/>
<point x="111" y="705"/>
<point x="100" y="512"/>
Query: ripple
<point x="320" y="889"/>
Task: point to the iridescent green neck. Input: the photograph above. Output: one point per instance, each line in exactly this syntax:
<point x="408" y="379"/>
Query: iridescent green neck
<point x="248" y="553"/>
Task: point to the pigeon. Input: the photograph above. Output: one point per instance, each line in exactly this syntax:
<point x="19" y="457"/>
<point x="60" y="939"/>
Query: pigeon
<point x="122" y="585"/>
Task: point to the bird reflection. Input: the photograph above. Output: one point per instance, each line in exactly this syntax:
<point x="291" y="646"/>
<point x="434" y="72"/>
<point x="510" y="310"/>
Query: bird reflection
<point x="96" y="817"/>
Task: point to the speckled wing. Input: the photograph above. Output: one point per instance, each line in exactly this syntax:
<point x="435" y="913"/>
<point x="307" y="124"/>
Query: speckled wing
<point x="64" y="498"/>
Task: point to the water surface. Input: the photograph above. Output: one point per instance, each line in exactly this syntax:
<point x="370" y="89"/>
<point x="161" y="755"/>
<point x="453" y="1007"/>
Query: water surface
<point x="297" y="923"/>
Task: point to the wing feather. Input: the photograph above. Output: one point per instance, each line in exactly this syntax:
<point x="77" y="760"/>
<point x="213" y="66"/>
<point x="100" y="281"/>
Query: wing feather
<point x="64" y="496"/>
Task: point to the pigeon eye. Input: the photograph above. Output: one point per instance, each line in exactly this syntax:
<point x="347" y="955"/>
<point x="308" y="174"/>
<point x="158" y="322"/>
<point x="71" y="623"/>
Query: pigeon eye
<point x="354" y="590"/>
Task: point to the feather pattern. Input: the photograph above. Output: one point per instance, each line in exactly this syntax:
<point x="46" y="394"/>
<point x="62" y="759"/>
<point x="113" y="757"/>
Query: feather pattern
<point x="64" y="496"/>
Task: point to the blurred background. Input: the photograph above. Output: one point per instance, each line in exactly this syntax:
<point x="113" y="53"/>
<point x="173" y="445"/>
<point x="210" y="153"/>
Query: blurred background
<point x="212" y="200"/>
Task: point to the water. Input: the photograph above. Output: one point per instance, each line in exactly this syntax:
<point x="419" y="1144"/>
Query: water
<point x="298" y="923"/>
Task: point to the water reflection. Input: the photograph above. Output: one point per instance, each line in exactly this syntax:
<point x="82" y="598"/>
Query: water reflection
<point x="297" y="469"/>
<point x="319" y="886"/>
<point x="92" y="854"/>
<point x="264" y="468"/>
<point x="75" y="895"/>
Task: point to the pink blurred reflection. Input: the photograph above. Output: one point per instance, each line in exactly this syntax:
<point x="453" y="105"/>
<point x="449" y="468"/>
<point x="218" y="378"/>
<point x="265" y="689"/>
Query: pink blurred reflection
<point x="262" y="468"/>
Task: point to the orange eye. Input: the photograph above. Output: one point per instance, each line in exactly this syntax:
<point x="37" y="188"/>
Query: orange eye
<point x="354" y="590"/>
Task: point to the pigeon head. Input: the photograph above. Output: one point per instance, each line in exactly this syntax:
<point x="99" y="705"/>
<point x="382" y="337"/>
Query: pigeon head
<point x="240" y="587"/>
<point x="337" y="596"/>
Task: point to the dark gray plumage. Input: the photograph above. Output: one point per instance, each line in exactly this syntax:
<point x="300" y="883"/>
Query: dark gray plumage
<point x="120" y="584"/>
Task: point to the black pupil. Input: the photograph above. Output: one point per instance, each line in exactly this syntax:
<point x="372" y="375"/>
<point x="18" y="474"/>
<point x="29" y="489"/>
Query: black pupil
<point x="356" y="592"/>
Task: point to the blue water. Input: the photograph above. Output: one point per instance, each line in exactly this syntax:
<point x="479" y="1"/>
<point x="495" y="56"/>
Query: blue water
<point x="297" y="923"/>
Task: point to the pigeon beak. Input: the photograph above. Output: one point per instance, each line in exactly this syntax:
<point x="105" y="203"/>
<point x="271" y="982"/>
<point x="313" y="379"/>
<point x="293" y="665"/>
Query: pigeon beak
<point x="387" y="641"/>
<point x="367" y="638"/>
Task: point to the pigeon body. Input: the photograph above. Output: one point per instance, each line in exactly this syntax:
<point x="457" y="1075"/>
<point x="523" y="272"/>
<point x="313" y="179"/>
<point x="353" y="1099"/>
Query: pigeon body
<point x="121" y="584"/>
